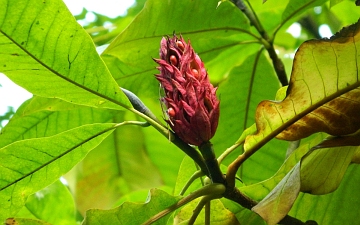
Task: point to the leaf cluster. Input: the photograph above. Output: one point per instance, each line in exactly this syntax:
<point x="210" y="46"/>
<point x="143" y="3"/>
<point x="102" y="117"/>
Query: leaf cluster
<point x="95" y="122"/>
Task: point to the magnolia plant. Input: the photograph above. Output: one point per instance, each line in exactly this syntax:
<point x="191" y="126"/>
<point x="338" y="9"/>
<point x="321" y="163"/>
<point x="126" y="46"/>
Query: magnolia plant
<point x="89" y="142"/>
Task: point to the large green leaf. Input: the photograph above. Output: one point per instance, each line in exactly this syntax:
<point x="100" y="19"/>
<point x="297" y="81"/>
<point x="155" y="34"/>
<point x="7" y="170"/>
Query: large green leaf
<point x="32" y="164"/>
<point x="324" y="79"/>
<point x="41" y="117"/>
<point x="133" y="213"/>
<point x="44" y="50"/>
<point x="212" y="31"/>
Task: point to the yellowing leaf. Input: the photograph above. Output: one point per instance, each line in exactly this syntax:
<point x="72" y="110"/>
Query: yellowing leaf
<point x="323" y="94"/>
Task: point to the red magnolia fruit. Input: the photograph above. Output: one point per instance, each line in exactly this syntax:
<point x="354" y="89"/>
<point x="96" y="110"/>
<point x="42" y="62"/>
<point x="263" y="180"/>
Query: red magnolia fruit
<point x="190" y="98"/>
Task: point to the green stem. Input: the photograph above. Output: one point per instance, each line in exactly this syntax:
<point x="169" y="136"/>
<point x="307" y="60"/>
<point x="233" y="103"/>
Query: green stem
<point x="211" y="162"/>
<point x="207" y="213"/>
<point x="195" y="176"/>
<point x="203" y="202"/>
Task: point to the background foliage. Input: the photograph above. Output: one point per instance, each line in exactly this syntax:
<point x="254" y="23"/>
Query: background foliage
<point x="73" y="128"/>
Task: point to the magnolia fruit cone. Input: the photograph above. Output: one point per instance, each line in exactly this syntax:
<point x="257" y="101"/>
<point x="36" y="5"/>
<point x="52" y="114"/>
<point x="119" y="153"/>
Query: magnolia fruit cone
<point x="190" y="98"/>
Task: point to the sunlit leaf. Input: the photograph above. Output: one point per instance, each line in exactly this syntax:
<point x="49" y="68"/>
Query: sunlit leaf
<point x="133" y="213"/>
<point x="278" y="202"/>
<point x="44" y="50"/>
<point x="324" y="79"/>
<point x="46" y="159"/>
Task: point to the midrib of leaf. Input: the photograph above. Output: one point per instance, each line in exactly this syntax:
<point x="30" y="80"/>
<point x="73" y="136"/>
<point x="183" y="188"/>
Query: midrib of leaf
<point x="300" y="115"/>
<point x="58" y="157"/>
<point x="64" y="77"/>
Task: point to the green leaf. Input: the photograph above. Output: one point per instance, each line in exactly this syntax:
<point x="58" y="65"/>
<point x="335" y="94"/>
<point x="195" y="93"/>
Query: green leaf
<point x="278" y="202"/>
<point x="295" y="7"/>
<point x="245" y="87"/>
<point x="53" y="204"/>
<point x="219" y="214"/>
<point x="119" y="165"/>
<point x="243" y="214"/>
<point x="338" y="207"/>
<point x="322" y="170"/>
<point x="44" y="50"/>
<point x="324" y="79"/>
<point x="42" y="117"/>
<point x="133" y="213"/>
<point x="30" y="165"/>
<point x="186" y="170"/>
<point x="334" y="2"/>
<point x="129" y="56"/>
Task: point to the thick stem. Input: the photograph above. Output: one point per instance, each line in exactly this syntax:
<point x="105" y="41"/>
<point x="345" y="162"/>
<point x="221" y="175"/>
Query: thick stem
<point x="211" y="162"/>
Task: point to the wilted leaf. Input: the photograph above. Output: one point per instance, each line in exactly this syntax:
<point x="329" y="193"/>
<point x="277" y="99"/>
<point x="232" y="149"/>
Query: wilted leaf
<point x="44" y="50"/>
<point x="30" y="165"/>
<point x="276" y="205"/>
<point x="324" y="80"/>
<point x="133" y="213"/>
<point x="337" y="141"/>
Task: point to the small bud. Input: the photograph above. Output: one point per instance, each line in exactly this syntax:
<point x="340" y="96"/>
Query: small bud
<point x="190" y="98"/>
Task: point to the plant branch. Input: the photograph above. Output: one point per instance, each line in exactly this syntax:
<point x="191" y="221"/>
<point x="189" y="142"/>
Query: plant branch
<point x="266" y="40"/>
